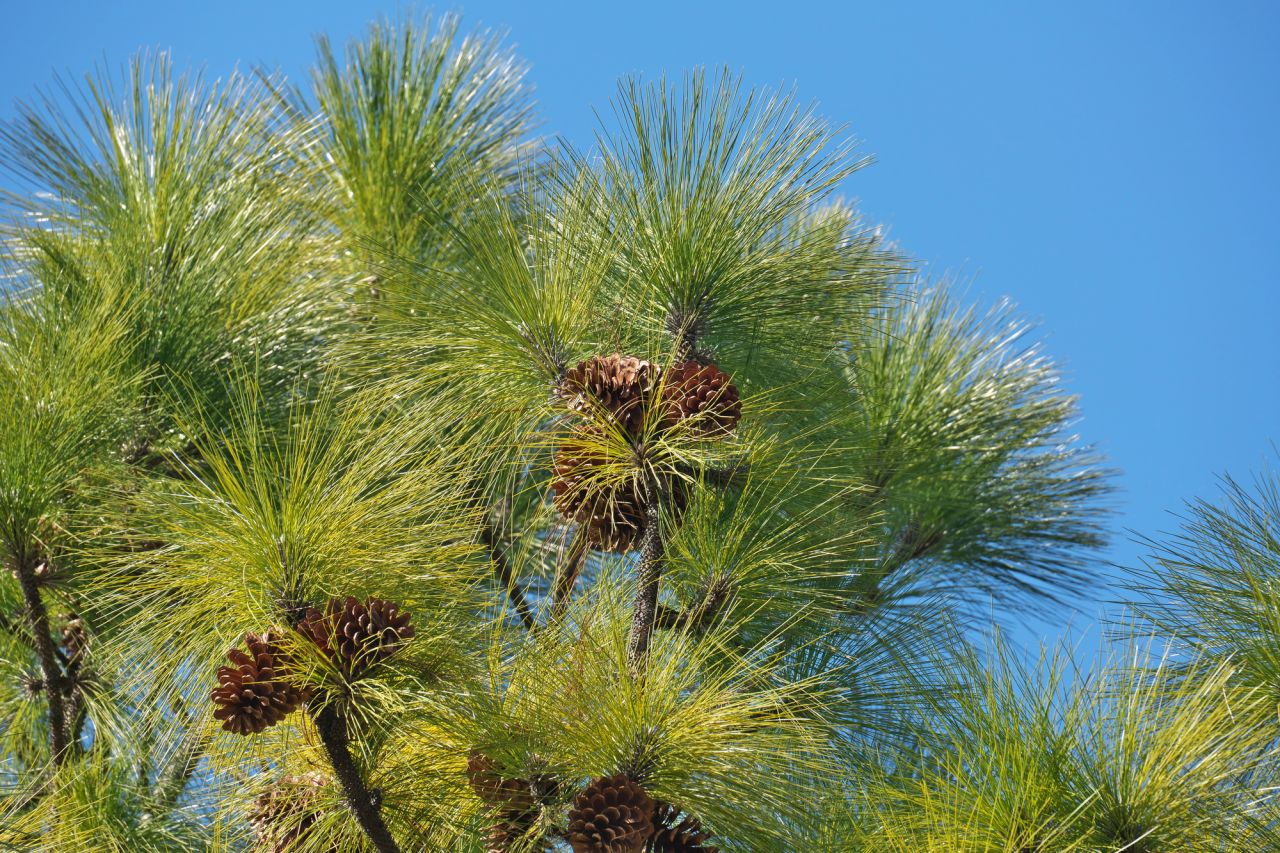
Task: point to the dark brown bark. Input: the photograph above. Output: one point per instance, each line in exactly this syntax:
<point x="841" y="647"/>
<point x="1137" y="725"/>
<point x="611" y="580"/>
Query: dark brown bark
<point x="46" y="652"/>
<point x="332" y="726"/>
<point x="644" y="613"/>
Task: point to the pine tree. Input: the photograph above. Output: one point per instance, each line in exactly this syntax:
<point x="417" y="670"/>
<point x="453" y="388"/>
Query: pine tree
<point x="375" y="476"/>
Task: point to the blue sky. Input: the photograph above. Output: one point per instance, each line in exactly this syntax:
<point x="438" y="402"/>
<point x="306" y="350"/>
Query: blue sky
<point x="1110" y="167"/>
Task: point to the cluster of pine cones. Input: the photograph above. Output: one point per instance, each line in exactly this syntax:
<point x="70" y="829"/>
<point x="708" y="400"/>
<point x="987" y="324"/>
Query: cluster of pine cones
<point x="612" y="814"/>
<point x="643" y="402"/>
<point x="284" y="815"/>
<point x="256" y="692"/>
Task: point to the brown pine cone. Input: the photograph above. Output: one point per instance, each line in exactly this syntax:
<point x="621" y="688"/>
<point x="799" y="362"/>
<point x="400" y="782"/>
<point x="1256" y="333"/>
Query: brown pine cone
<point x="74" y="638"/>
<point x="283" y="815"/>
<point x="613" y="387"/>
<point x="701" y="396"/>
<point x="678" y="833"/>
<point x="252" y="695"/>
<point x="613" y="518"/>
<point x="612" y="815"/>
<point x="495" y="789"/>
<point x="355" y="635"/>
<point x="512" y="803"/>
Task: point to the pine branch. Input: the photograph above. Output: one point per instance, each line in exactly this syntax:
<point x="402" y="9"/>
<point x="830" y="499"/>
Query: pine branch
<point x="506" y="576"/>
<point x="54" y="682"/>
<point x="178" y="774"/>
<point x="332" y="727"/>
<point x="698" y="617"/>
<point x="728" y="475"/>
<point x="645" y="610"/>
<point x="567" y="574"/>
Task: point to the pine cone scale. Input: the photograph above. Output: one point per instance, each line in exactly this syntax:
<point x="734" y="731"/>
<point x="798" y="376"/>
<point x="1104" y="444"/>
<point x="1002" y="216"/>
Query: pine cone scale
<point x="250" y="697"/>
<point x="354" y="634"/>
<point x="611" y="815"/>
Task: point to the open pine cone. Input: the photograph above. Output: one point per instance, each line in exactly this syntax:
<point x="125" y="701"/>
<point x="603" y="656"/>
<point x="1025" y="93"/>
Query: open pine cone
<point x="252" y="695"/>
<point x="678" y="833"/>
<point x="355" y="635"/>
<point x="74" y="638"/>
<point x="495" y="789"/>
<point x="702" y="396"/>
<point x="612" y="815"/>
<point x="283" y="815"/>
<point x="513" y="803"/>
<point x="612" y="518"/>
<point x="617" y="387"/>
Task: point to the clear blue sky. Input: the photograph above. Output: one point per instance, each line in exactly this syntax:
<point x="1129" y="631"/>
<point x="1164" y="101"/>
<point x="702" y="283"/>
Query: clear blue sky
<point x="1111" y="167"/>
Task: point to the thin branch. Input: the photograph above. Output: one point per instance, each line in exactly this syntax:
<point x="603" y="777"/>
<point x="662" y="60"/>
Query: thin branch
<point x="507" y="577"/>
<point x="668" y="618"/>
<point x="54" y="683"/>
<point x="331" y="724"/>
<point x="912" y="544"/>
<point x="701" y="615"/>
<point x="729" y="475"/>
<point x="77" y="715"/>
<point x="567" y="574"/>
<point x="180" y="770"/>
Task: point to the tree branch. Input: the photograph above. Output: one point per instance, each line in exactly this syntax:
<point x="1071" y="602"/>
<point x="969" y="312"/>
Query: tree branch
<point x="644" y="613"/>
<point x="699" y="616"/>
<point x="331" y="724"/>
<point x="54" y="682"/>
<point x="507" y="577"/>
<point x="729" y="475"/>
<point x="912" y="544"/>
<point x="180" y="770"/>
<point x="567" y="574"/>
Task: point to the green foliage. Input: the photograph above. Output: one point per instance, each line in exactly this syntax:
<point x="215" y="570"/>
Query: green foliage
<point x="167" y="201"/>
<point x="1218" y="581"/>
<point x="963" y="427"/>
<point x="1139" y="756"/>
<point x="403" y="121"/>
<point x="263" y="349"/>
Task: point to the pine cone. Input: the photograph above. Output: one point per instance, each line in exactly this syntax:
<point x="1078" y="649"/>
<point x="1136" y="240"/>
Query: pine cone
<point x="703" y="396"/>
<point x="678" y="833"/>
<point x="617" y="387"/>
<point x="495" y="789"/>
<point x="611" y="815"/>
<point x="355" y="635"/>
<point x="252" y="695"/>
<point x="613" y="518"/>
<point x="74" y="638"/>
<point x="513" y="804"/>
<point x="284" y="814"/>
